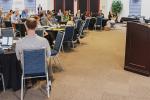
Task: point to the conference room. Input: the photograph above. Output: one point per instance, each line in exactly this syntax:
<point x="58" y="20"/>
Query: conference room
<point x="74" y="50"/>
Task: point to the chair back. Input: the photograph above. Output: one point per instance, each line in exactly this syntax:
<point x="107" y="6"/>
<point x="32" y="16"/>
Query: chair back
<point x="78" y="24"/>
<point x="87" y="21"/>
<point x="58" y="18"/>
<point x="81" y="29"/>
<point x="40" y="32"/>
<point x="58" y="41"/>
<point x="69" y="32"/>
<point x="7" y="32"/>
<point x="34" y="62"/>
<point x="21" y="28"/>
<point x="7" y="24"/>
<point x="99" y="21"/>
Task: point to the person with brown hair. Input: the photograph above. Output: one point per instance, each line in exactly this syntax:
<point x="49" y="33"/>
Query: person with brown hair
<point x="33" y="41"/>
<point x="8" y="16"/>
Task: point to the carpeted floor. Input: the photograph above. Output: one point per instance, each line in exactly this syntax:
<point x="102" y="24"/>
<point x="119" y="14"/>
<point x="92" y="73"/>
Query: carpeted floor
<point x="93" y="71"/>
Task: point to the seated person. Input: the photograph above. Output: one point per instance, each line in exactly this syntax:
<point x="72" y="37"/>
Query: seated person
<point x="43" y="19"/>
<point x="8" y="16"/>
<point x="71" y="21"/>
<point x="111" y="23"/>
<point x="100" y="13"/>
<point x="32" y="41"/>
<point x="24" y="14"/>
<point x="66" y="16"/>
<point x="78" y="14"/>
<point x="15" y="18"/>
<point x="51" y="19"/>
<point x="110" y="15"/>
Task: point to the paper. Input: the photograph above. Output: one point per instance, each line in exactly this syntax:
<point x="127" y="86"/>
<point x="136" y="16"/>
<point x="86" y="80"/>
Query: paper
<point x="10" y="41"/>
<point x="7" y="41"/>
<point x="4" y="40"/>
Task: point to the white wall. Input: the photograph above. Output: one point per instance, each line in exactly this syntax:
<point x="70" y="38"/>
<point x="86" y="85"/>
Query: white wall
<point x="18" y="4"/>
<point x="125" y="10"/>
<point x="145" y="8"/>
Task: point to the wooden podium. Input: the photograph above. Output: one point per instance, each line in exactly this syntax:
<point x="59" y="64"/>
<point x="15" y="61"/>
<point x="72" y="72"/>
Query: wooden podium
<point x="137" y="55"/>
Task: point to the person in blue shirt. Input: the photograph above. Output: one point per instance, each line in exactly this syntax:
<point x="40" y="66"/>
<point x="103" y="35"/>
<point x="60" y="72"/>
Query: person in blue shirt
<point x="24" y="14"/>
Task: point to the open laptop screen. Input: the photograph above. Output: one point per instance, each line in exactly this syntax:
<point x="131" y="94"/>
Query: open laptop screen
<point x="7" y="32"/>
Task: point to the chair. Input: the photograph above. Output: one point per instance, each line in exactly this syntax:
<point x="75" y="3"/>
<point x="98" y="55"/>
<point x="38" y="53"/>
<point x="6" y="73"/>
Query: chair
<point x="98" y="23"/>
<point x="57" y="47"/>
<point x="77" y="28"/>
<point x="2" y="79"/>
<point x="34" y="65"/>
<point x="7" y="32"/>
<point x="40" y="32"/>
<point x="20" y="27"/>
<point x="7" y="24"/>
<point x="58" y="18"/>
<point x="87" y="21"/>
<point x="78" y="24"/>
<point x="69" y="32"/>
<point x="81" y="33"/>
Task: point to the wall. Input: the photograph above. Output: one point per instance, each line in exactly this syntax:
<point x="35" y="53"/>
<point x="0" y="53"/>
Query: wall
<point x="50" y="4"/>
<point x="145" y="8"/>
<point x="6" y="5"/>
<point x="106" y="7"/>
<point x="18" y="4"/>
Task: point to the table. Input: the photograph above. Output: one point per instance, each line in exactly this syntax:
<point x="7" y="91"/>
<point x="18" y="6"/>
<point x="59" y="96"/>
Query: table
<point x="11" y="69"/>
<point x="128" y="19"/>
<point x="52" y="33"/>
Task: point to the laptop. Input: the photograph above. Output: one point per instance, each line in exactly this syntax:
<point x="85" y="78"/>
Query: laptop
<point x="7" y="42"/>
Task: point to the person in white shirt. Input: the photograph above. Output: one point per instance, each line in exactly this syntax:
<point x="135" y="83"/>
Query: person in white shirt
<point x="15" y="18"/>
<point x="32" y="41"/>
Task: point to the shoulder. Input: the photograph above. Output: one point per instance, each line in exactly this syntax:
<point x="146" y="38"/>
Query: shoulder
<point x="42" y="39"/>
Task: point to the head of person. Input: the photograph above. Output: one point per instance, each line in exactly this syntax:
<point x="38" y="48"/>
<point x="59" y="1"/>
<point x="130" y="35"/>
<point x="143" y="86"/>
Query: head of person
<point x="17" y="12"/>
<point x="31" y="24"/>
<point x="41" y="14"/>
<point x="11" y="11"/>
<point x="71" y="18"/>
<point x="78" y="11"/>
<point x="37" y="18"/>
